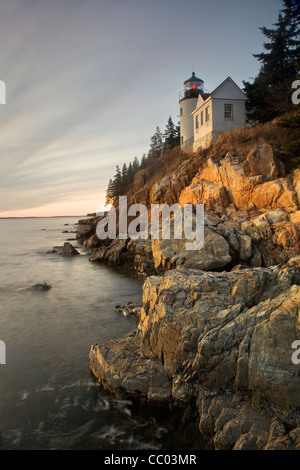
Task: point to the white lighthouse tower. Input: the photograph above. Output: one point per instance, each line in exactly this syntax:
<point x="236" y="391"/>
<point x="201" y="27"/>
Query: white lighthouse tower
<point x="187" y="101"/>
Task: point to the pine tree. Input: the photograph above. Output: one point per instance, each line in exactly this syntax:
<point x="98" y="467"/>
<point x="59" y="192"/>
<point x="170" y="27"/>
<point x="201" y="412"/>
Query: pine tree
<point x="130" y="173"/>
<point x="269" y="94"/>
<point x="293" y="147"/>
<point x="170" y="135"/>
<point x="156" y="145"/>
<point x="135" y="165"/>
<point x="117" y="182"/>
<point x="177" y="134"/>
<point x="109" y="199"/>
<point x="124" y="176"/>
<point x="294" y="6"/>
<point x="143" y="161"/>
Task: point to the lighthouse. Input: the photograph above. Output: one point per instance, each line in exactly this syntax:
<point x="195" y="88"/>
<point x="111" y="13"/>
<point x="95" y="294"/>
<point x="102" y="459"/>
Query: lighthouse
<point x="188" y="98"/>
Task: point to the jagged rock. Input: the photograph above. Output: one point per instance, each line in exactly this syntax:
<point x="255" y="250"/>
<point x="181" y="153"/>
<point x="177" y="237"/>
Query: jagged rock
<point x="286" y="235"/>
<point x="131" y="308"/>
<point x="222" y="340"/>
<point x="261" y="161"/>
<point x="245" y="184"/>
<point x="41" y="287"/>
<point x="276" y="216"/>
<point x="139" y="180"/>
<point x="200" y="191"/>
<point x="93" y="242"/>
<point x="245" y="244"/>
<point x="140" y="197"/>
<point x="213" y="255"/>
<point x="275" y="194"/>
<point x="295" y="217"/>
<point x="296" y="183"/>
<point x="66" y="250"/>
<point x="138" y="377"/>
<point x="84" y="231"/>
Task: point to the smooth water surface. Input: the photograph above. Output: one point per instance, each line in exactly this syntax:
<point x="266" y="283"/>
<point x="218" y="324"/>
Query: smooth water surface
<point x="49" y="399"/>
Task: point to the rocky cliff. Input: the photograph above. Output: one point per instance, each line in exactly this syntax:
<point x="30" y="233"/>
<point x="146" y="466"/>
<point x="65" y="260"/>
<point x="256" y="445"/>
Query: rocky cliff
<point x="217" y="325"/>
<point x="222" y="341"/>
<point x="252" y="215"/>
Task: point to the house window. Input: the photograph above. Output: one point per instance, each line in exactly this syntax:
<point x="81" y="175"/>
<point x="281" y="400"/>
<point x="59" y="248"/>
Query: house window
<point x="201" y="118"/>
<point x="207" y="114"/>
<point x="197" y="121"/>
<point x="181" y="140"/>
<point x="228" y="111"/>
<point x="181" y="111"/>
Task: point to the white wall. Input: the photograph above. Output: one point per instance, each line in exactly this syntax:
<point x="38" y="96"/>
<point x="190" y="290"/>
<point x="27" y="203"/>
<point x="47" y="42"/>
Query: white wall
<point x="202" y="135"/>
<point x="186" y="120"/>
<point x="239" y="115"/>
<point x="209" y="131"/>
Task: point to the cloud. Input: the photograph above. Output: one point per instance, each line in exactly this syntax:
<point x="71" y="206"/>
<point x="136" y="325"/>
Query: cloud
<point x="88" y="82"/>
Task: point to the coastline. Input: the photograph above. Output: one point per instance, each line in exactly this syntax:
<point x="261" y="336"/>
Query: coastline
<point x="219" y="345"/>
<point x="217" y="325"/>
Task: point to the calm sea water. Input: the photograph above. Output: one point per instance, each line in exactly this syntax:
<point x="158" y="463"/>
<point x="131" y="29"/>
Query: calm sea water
<point x="49" y="399"/>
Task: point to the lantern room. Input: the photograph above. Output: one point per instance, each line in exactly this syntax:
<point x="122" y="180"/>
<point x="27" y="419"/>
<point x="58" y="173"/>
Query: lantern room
<point x="193" y="87"/>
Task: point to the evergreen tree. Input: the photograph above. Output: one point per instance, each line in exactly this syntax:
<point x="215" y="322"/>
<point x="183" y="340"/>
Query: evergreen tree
<point x="135" y="165"/>
<point x="124" y="176"/>
<point x="293" y="147"/>
<point x="130" y="173"/>
<point x="294" y="6"/>
<point x="177" y="134"/>
<point x="170" y="135"/>
<point x="117" y="182"/>
<point x="110" y="192"/>
<point x="124" y="172"/>
<point x="143" y="161"/>
<point x="156" y="145"/>
<point x="269" y="95"/>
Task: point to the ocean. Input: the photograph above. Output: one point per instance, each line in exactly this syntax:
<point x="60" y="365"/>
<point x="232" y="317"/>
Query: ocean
<point x="49" y="399"/>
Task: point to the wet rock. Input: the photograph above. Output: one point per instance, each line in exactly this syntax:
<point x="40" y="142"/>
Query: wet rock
<point x="130" y="308"/>
<point x="66" y="250"/>
<point x="221" y="340"/>
<point x="138" y="377"/>
<point x="41" y="287"/>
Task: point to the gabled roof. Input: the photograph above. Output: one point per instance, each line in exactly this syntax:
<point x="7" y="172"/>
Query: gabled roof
<point x="201" y="99"/>
<point x="205" y="96"/>
<point x="229" y="80"/>
<point x="229" y="88"/>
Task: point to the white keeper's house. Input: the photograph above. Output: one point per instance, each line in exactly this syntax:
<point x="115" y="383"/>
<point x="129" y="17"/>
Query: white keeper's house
<point x="204" y="116"/>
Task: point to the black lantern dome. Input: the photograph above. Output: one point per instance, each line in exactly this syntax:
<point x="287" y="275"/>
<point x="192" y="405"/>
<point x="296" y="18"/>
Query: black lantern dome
<point x="193" y="87"/>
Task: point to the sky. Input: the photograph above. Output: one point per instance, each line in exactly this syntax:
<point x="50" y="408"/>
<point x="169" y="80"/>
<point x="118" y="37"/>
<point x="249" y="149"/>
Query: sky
<point x="87" y="83"/>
